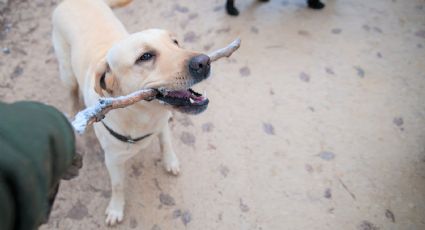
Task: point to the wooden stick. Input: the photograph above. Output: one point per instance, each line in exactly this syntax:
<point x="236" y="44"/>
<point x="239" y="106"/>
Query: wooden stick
<point x="226" y="51"/>
<point x="97" y="112"/>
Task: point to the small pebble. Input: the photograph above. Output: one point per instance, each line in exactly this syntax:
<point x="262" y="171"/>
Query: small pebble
<point x="177" y="213"/>
<point x="244" y="71"/>
<point x="398" y="121"/>
<point x="336" y="31"/>
<point x="304" y="77"/>
<point x="367" y="225"/>
<point x="328" y="193"/>
<point x="268" y="128"/>
<point x="360" y="71"/>
<point x="329" y="71"/>
<point x="6" y="50"/>
<point x="166" y="199"/>
<point x="186" y="217"/>
<point x="327" y="156"/>
<point x="224" y="170"/>
<point x="155" y="227"/>
<point x="243" y="207"/>
<point x="390" y="215"/>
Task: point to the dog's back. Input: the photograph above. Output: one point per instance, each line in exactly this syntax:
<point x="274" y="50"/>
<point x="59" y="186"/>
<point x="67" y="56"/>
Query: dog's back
<point x="84" y="17"/>
<point x="83" y="30"/>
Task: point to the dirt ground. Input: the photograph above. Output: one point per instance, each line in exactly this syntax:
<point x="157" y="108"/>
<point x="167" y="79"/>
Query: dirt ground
<point x="317" y="122"/>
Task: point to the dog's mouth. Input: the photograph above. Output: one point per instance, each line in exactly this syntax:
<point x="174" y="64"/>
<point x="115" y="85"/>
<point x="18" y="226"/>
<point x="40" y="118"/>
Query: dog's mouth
<point x="186" y="101"/>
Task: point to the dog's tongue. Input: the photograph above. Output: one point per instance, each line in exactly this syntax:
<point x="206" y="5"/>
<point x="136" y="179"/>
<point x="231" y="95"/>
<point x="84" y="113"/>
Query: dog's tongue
<point x="180" y="94"/>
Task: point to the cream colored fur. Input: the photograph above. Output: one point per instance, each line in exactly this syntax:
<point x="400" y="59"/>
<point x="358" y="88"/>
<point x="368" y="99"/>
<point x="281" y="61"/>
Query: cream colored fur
<point x="89" y="41"/>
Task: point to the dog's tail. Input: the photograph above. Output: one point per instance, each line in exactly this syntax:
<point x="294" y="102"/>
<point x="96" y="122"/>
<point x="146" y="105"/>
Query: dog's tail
<point x="117" y="3"/>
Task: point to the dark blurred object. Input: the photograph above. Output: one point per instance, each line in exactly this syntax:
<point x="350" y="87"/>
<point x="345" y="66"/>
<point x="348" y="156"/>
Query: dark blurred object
<point x="72" y="171"/>
<point x="37" y="149"/>
<point x="232" y="10"/>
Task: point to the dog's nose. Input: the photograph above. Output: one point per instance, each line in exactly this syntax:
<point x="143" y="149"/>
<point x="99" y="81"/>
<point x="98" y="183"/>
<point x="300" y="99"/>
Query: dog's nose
<point x="199" y="67"/>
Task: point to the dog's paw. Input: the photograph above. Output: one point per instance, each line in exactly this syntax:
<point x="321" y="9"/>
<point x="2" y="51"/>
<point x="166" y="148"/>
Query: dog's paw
<point x="172" y="165"/>
<point x="113" y="216"/>
<point x="315" y="4"/>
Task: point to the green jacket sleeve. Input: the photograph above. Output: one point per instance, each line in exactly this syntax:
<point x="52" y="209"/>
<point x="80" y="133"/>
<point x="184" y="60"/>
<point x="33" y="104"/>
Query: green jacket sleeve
<point x="37" y="145"/>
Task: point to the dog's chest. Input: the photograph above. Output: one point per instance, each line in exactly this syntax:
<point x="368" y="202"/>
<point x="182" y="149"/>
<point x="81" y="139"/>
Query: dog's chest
<point x="139" y="122"/>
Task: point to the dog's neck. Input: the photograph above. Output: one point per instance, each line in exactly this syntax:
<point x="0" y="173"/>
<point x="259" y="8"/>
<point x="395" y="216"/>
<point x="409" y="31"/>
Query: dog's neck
<point x="139" y="119"/>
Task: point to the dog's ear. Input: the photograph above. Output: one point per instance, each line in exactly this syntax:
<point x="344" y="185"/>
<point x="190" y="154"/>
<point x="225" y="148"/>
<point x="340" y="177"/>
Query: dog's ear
<point x="104" y="79"/>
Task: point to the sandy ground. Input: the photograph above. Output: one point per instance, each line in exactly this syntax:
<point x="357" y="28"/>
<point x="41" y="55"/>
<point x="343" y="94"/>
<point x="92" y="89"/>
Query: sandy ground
<point x="318" y="122"/>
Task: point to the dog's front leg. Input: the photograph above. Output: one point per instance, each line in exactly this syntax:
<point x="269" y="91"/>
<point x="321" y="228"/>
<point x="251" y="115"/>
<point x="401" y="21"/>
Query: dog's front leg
<point x="169" y="158"/>
<point x="115" y="163"/>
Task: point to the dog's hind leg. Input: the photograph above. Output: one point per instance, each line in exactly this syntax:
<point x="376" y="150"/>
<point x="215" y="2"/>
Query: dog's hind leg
<point x="169" y="158"/>
<point x="63" y="54"/>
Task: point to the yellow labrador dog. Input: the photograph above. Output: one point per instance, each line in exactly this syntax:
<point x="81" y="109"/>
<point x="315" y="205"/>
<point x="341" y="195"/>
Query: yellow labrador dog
<point x="98" y="57"/>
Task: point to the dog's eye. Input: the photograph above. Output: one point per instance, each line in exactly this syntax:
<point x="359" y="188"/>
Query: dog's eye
<point x="175" y="42"/>
<point x="145" y="57"/>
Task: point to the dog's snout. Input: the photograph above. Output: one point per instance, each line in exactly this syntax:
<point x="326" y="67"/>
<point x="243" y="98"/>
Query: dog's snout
<point x="199" y="67"/>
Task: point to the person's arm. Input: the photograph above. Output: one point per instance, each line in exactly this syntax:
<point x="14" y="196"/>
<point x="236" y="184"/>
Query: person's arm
<point x="37" y="147"/>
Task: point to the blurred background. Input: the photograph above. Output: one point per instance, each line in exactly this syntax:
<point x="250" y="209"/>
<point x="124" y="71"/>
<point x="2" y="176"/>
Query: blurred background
<point x="316" y="122"/>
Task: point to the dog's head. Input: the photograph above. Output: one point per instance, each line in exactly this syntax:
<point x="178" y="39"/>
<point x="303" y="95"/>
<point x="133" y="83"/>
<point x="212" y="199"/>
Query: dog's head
<point x="154" y="59"/>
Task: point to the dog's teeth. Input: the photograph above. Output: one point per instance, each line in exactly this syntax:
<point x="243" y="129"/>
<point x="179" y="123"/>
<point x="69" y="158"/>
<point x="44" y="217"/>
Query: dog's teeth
<point x="191" y="100"/>
<point x="205" y="94"/>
